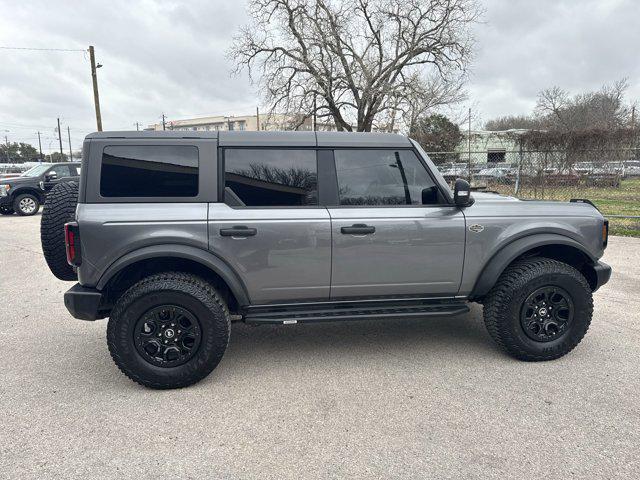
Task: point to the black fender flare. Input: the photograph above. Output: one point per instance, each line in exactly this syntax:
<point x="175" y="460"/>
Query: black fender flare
<point x="203" y="257"/>
<point x="507" y="254"/>
<point x="28" y="189"/>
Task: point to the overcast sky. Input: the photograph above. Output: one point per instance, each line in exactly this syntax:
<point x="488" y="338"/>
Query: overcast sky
<point x="169" y="57"/>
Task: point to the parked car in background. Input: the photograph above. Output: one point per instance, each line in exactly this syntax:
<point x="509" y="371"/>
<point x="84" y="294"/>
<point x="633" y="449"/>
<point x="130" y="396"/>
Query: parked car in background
<point x="24" y="194"/>
<point x="502" y="175"/>
<point x="631" y="168"/>
<point x="452" y="171"/>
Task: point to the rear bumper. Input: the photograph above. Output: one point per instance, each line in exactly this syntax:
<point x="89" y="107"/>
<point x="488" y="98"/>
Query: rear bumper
<point x="84" y="303"/>
<point x="603" y="274"/>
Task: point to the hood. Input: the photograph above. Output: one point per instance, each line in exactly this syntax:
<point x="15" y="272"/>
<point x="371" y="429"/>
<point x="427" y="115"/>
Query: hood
<point x="492" y="197"/>
<point x="16" y="181"/>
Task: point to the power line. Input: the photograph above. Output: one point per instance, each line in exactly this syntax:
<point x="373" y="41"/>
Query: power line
<point x="44" y="49"/>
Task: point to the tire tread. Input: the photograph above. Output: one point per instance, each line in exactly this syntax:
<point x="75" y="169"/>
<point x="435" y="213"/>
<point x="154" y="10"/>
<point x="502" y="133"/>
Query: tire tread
<point x="498" y="299"/>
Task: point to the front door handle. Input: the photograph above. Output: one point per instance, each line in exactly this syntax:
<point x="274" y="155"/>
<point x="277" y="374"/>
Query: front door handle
<point x="358" y="229"/>
<point x="238" y="231"/>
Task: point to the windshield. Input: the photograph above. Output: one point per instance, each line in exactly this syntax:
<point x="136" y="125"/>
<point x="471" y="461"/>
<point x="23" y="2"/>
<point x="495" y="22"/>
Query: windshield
<point x="35" y="171"/>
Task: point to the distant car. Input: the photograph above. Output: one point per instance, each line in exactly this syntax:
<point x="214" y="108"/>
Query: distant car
<point x="24" y="194"/>
<point x="495" y="174"/>
<point x="631" y="168"/>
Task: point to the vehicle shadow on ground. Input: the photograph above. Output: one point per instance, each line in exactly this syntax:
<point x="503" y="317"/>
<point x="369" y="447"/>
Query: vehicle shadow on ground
<point x="365" y="337"/>
<point x="271" y="351"/>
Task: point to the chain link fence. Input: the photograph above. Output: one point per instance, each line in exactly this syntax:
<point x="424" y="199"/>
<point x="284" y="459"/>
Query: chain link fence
<point x="609" y="178"/>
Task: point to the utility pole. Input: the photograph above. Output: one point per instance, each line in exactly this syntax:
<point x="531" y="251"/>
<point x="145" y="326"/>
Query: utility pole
<point x="257" y="119"/>
<point x="94" y="78"/>
<point x="6" y="140"/>
<point x="70" y="152"/>
<point x="163" y="123"/>
<point x="40" y="147"/>
<point x="137" y="127"/>
<point x="469" y="145"/>
<point x="60" y="139"/>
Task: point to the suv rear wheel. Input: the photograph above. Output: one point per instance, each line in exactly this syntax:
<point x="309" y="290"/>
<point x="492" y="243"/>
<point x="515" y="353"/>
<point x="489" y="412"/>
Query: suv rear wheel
<point x="26" y="204"/>
<point x="169" y="330"/>
<point x="540" y="309"/>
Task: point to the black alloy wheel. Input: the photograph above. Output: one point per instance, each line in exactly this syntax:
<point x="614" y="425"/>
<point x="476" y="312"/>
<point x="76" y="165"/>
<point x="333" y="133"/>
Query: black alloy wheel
<point x="167" y="336"/>
<point x="547" y="313"/>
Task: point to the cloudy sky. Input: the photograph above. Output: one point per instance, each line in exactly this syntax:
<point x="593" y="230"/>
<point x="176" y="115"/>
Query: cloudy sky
<point x="169" y="57"/>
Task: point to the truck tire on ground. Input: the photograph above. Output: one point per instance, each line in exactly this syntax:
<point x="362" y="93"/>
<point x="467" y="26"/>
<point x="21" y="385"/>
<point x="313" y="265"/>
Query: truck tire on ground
<point x="169" y="330"/>
<point x="26" y="204"/>
<point x="6" y="210"/>
<point x="540" y="309"/>
<point x="59" y="209"/>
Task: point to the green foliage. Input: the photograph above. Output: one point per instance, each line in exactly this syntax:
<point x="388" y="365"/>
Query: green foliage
<point x="17" y="152"/>
<point x="436" y="133"/>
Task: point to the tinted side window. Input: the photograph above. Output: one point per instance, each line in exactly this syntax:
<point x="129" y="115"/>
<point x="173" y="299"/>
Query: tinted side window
<point x="149" y="171"/>
<point x="383" y="177"/>
<point x="272" y="177"/>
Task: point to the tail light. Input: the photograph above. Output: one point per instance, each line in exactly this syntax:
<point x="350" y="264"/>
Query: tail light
<point x="605" y="233"/>
<point x="72" y="243"/>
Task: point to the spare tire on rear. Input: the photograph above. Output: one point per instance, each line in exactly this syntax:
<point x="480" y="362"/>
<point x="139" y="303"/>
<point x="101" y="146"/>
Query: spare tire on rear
<point x="59" y="209"/>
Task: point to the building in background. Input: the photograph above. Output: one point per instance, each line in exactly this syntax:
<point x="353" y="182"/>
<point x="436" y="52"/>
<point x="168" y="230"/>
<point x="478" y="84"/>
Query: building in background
<point x="490" y="146"/>
<point x="267" y="122"/>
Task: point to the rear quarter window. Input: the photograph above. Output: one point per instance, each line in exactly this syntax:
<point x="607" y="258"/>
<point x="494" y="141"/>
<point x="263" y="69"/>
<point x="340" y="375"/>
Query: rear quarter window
<point x="149" y="171"/>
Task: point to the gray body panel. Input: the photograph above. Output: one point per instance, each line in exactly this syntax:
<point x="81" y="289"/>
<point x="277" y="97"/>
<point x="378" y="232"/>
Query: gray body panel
<point x="300" y="254"/>
<point x="289" y="258"/>
<point x="414" y="251"/>
<point x="506" y="220"/>
<point x="111" y="231"/>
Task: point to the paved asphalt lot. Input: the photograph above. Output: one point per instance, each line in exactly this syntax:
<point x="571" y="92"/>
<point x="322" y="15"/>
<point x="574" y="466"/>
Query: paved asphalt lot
<point x="395" y="399"/>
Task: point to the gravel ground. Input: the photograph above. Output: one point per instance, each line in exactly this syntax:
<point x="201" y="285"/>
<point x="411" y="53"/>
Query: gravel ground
<point x="379" y="399"/>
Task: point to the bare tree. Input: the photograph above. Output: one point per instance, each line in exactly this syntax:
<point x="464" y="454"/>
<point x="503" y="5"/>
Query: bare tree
<point x="358" y="62"/>
<point x="604" y="109"/>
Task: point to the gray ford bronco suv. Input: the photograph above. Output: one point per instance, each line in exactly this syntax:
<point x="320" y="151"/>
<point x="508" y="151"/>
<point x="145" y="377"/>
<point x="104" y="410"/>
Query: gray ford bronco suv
<point x="174" y="234"/>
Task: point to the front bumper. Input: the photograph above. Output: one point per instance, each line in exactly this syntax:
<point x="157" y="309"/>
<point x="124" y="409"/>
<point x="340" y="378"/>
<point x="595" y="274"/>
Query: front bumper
<point x="603" y="274"/>
<point x="85" y="303"/>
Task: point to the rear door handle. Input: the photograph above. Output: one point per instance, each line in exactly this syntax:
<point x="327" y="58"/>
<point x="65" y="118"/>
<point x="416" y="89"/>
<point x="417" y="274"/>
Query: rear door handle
<point x="238" y="231"/>
<point x="358" y="229"/>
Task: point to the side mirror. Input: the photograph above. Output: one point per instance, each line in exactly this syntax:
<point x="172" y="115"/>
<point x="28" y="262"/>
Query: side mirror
<point x="462" y="193"/>
<point x="430" y="196"/>
<point x="51" y="176"/>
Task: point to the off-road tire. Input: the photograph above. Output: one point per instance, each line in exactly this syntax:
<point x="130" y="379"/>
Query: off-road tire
<point x="6" y="210"/>
<point x="23" y="196"/>
<point x="185" y="291"/>
<point x="59" y="209"/>
<point x="503" y="304"/>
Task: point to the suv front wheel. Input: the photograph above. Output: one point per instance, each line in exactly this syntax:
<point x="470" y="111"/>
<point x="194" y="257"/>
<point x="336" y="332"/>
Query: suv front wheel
<point x="169" y="330"/>
<point x="539" y="309"/>
<point x="26" y="204"/>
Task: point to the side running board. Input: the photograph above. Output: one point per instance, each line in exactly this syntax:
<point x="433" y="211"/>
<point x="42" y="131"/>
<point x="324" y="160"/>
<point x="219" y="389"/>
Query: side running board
<point x="357" y="310"/>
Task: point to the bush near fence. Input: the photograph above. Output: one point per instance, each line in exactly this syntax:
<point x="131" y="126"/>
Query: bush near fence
<point x="609" y="178"/>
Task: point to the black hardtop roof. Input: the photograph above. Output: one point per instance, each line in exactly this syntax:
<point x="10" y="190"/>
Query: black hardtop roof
<point x="275" y="139"/>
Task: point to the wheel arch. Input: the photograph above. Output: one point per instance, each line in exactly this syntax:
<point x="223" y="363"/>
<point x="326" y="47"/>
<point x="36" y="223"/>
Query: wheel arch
<point x="39" y="194"/>
<point x="555" y="246"/>
<point x="145" y="261"/>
